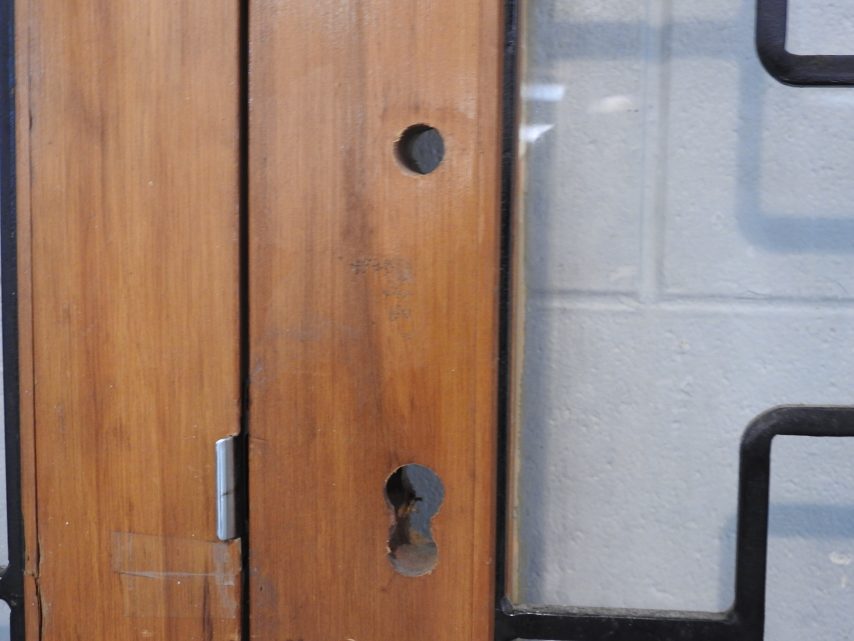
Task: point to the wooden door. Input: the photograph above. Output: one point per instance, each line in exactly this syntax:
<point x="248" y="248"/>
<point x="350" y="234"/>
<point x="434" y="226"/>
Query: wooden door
<point x="373" y="296"/>
<point x="128" y="175"/>
<point x="371" y="291"/>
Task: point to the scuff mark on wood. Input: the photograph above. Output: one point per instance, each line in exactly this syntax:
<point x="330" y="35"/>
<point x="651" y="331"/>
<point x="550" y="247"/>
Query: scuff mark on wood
<point x="170" y="577"/>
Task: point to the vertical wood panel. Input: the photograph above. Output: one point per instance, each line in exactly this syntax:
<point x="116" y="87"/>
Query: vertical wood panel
<point x="132" y="213"/>
<point x="373" y="305"/>
<point x="26" y="419"/>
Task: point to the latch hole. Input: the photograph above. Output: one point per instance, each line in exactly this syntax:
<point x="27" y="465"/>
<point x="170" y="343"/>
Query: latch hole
<point x="420" y="148"/>
<point x="414" y="493"/>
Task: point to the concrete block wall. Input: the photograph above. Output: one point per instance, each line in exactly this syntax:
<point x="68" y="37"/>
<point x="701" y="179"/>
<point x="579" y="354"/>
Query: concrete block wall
<point x="689" y="259"/>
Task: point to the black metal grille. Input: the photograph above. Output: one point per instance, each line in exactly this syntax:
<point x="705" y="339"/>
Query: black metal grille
<point x="745" y="620"/>
<point x="790" y="68"/>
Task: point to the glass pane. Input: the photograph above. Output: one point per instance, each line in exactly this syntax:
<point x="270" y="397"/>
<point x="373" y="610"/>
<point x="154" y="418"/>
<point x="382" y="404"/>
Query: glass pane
<point x="5" y="614"/>
<point x="825" y="27"/>
<point x="688" y="262"/>
<point x="810" y="585"/>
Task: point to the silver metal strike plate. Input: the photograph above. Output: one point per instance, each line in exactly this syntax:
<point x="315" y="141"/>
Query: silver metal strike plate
<point x="226" y="489"/>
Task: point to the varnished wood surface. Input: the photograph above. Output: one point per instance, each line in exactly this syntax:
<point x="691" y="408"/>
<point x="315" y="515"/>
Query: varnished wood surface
<point x="128" y="212"/>
<point x="373" y="305"/>
<point x="32" y="611"/>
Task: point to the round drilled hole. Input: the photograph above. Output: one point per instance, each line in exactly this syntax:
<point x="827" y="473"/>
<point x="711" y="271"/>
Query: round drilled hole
<point x="420" y="148"/>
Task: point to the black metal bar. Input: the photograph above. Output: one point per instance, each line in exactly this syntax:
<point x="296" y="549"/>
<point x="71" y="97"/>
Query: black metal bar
<point x="790" y="68"/>
<point x="509" y="138"/>
<point x="12" y="581"/>
<point x="754" y="487"/>
<point x="243" y="440"/>
<point x="745" y="621"/>
<point x="615" y="625"/>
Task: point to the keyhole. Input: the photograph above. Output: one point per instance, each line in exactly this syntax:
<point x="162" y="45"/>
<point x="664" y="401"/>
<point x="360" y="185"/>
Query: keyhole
<point x="414" y="493"/>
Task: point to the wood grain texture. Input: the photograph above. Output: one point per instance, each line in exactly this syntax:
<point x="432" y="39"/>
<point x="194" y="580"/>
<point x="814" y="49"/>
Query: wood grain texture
<point x="373" y="313"/>
<point x="26" y="382"/>
<point x="130" y="226"/>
